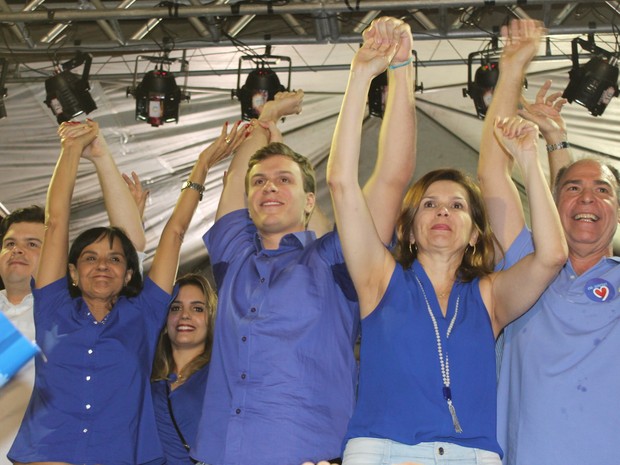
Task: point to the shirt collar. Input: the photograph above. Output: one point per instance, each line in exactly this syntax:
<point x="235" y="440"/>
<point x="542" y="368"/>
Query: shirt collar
<point x="15" y="309"/>
<point x="296" y="240"/>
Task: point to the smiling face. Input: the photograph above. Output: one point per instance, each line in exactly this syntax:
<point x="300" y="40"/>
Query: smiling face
<point x="19" y="256"/>
<point x="588" y="205"/>
<point x="443" y="221"/>
<point x="188" y="318"/>
<point x="101" y="270"/>
<point x="277" y="202"/>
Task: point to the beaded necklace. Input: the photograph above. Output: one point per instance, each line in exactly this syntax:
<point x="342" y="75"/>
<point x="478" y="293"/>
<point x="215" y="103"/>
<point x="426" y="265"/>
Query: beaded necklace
<point x="444" y="365"/>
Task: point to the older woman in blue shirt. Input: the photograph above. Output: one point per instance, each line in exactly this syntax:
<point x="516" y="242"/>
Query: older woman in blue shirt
<point x="91" y="402"/>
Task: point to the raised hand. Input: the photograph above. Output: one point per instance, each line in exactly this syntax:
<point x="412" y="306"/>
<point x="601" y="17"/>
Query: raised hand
<point x="283" y="104"/>
<point x="381" y="42"/>
<point x="137" y="192"/>
<point x="224" y="145"/>
<point x="518" y="137"/>
<point x="521" y="41"/>
<point x="387" y="28"/>
<point x="545" y="111"/>
<point x="78" y="135"/>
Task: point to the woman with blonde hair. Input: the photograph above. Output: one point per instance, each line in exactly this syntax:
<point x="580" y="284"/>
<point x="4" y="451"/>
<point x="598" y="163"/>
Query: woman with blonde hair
<point x="181" y="366"/>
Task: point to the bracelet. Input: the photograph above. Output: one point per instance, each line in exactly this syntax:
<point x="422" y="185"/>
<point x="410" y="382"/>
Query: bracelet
<point x="402" y="63"/>
<point x="558" y="146"/>
<point x="193" y="185"/>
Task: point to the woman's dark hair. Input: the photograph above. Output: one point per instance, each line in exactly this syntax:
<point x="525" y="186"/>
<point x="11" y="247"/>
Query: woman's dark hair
<point x="477" y="261"/>
<point x="163" y="363"/>
<point x="90" y="236"/>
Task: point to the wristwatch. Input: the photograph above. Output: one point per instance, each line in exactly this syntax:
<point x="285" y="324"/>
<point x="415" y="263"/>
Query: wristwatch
<point x="558" y="146"/>
<point x="193" y="185"/>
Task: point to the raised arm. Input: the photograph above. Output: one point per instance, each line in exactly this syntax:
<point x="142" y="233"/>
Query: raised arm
<point x="53" y="262"/>
<point x="166" y="261"/>
<point x="522" y="38"/>
<point x="233" y="194"/>
<point x="138" y="193"/>
<point x="368" y="261"/>
<point x="397" y="140"/>
<point x="545" y="111"/>
<point x="119" y="203"/>
<point x="516" y="289"/>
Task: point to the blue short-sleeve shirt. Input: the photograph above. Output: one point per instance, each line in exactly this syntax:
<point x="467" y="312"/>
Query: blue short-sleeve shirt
<point x="283" y="374"/>
<point x="91" y="402"/>
<point x="558" y="388"/>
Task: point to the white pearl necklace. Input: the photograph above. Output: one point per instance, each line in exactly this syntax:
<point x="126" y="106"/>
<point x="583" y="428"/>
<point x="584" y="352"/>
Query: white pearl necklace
<point x="444" y="365"/>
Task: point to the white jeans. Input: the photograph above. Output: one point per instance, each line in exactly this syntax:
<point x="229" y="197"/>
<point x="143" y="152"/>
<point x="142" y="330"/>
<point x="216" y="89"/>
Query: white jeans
<point x="372" y="451"/>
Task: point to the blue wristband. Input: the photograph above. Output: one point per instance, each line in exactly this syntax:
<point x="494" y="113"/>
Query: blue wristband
<point x="404" y="63"/>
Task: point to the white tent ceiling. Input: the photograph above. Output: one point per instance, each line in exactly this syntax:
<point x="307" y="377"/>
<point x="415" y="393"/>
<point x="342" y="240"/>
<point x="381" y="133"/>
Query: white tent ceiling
<point x="163" y="156"/>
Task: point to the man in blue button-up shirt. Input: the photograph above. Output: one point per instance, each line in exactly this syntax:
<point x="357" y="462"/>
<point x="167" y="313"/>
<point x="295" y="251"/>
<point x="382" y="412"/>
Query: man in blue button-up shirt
<point x="282" y="380"/>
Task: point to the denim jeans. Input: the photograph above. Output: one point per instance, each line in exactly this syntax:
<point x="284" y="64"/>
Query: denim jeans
<point x="372" y="451"/>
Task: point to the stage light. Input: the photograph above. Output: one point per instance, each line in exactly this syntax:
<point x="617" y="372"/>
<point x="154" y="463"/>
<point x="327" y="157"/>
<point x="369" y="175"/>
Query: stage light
<point x="158" y="96"/>
<point x="481" y="85"/>
<point x="67" y="94"/>
<point x="261" y="85"/>
<point x="377" y="94"/>
<point x="594" y="84"/>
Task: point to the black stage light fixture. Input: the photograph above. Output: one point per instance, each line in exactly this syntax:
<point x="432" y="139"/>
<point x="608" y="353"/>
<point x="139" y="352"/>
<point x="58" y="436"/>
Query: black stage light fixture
<point x="261" y="85"/>
<point x="4" y="68"/>
<point x="377" y="94"/>
<point x="481" y="85"/>
<point x="158" y="96"/>
<point x="67" y="94"/>
<point x="594" y="84"/>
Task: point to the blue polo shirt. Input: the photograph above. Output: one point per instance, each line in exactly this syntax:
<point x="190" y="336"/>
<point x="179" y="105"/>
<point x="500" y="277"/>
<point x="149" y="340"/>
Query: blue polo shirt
<point x="186" y="401"/>
<point x="283" y="374"/>
<point x="558" y="399"/>
<point x="91" y="402"/>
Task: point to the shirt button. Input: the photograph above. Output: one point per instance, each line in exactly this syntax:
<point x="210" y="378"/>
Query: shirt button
<point x="238" y="411"/>
<point x="243" y="376"/>
<point x="88" y="378"/>
<point x="87" y="406"/>
<point x="90" y="351"/>
<point x="244" y="338"/>
<point x="440" y="450"/>
<point x="85" y="430"/>
<point x="253" y="309"/>
<point x="262" y="280"/>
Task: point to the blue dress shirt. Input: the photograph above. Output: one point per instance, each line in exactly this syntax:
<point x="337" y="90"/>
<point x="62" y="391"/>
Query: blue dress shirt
<point x="91" y="402"/>
<point x="283" y="374"/>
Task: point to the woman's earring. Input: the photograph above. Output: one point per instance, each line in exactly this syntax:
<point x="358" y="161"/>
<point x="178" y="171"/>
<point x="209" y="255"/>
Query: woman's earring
<point x="412" y="245"/>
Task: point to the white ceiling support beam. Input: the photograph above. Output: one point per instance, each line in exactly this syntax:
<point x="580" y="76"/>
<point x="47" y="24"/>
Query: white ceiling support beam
<point x="197" y="23"/>
<point x="186" y="11"/>
<point x="294" y="24"/>
<point x="19" y="29"/>
<point x="240" y="24"/>
<point x="465" y="16"/>
<point x="424" y="20"/>
<point x="111" y="28"/>
<point x="366" y="20"/>
<point x="144" y="30"/>
<point x="615" y="6"/>
<point x="562" y="15"/>
<point x="519" y="12"/>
